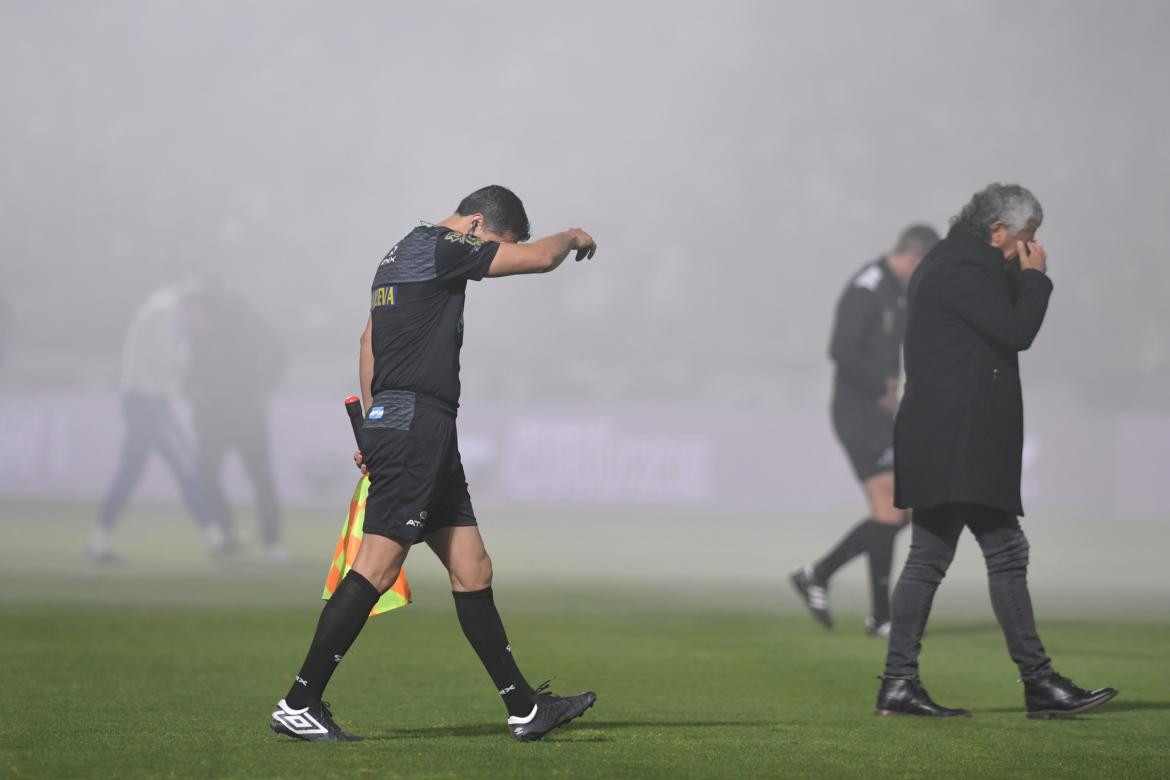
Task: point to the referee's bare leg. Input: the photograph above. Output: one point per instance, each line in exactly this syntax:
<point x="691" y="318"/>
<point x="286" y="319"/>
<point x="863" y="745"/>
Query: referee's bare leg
<point x="301" y="713"/>
<point x="531" y="713"/>
<point x="874" y="537"/>
<point x="380" y="560"/>
<point x="462" y="553"/>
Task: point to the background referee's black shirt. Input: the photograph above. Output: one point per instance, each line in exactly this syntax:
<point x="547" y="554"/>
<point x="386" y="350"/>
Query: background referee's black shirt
<point x="867" y="334"/>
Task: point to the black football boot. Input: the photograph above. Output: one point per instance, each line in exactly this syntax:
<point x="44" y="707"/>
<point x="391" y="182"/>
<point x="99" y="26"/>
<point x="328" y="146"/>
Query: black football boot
<point x="313" y="723"/>
<point x="549" y="712"/>
<point x="814" y="594"/>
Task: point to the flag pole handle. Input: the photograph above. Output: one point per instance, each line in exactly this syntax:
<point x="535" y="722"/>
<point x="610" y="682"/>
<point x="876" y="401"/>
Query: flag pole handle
<point x="353" y="407"/>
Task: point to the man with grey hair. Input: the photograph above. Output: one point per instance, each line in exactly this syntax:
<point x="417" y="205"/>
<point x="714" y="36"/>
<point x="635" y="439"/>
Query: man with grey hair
<point x="975" y="302"/>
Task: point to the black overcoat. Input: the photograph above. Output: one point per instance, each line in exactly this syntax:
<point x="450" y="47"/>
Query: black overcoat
<point x="959" y="433"/>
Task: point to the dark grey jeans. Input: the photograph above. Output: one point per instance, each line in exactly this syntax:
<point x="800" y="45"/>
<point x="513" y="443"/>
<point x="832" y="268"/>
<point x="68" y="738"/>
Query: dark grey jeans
<point x="934" y="537"/>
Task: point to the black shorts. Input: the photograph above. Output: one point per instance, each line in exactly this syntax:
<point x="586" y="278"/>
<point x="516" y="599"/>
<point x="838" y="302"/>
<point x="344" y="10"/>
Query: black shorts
<point x="417" y="484"/>
<point x="866" y="431"/>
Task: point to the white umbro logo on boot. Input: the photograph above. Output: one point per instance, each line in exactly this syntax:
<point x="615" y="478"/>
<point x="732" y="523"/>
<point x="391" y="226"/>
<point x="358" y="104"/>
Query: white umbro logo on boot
<point x="297" y="721"/>
<point x="516" y="720"/>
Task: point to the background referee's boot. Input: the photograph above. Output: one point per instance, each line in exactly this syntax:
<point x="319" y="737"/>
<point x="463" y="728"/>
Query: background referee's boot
<point x="1053" y="696"/>
<point x="814" y="594"/>
<point x="313" y="723"/>
<point x="549" y="712"/>
<point x="908" y="697"/>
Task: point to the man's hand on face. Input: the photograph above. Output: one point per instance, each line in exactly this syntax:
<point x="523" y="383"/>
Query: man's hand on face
<point x="889" y="401"/>
<point x="1032" y="255"/>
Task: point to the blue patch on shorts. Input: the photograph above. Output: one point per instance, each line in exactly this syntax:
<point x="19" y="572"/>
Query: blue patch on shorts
<point x="395" y="410"/>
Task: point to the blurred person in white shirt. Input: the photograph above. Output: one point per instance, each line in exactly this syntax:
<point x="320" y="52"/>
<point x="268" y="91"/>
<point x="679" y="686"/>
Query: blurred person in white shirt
<point x="154" y="360"/>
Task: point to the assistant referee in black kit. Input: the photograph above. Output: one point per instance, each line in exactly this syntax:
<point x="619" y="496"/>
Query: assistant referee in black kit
<point x="409" y="370"/>
<point x="866" y="348"/>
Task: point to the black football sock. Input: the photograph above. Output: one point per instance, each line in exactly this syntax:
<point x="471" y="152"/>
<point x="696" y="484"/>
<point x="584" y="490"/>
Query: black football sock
<point x="341" y="621"/>
<point x="881" y="559"/>
<point x="483" y="628"/>
<point x="855" y="543"/>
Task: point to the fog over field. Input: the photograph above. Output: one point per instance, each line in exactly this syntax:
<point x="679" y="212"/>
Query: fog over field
<point x="737" y="162"/>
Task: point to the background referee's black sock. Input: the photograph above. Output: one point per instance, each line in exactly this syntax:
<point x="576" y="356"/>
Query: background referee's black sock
<point x="855" y="543"/>
<point x="341" y="621"/>
<point x="483" y="628"/>
<point x="881" y="559"/>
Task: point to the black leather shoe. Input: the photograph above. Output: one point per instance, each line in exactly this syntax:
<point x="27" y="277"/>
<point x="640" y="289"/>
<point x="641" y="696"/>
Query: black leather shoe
<point x="908" y="697"/>
<point x="1054" y="696"/>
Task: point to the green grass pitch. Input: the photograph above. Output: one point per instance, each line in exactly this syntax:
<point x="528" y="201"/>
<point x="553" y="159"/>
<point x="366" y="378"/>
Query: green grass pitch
<point x="169" y="667"/>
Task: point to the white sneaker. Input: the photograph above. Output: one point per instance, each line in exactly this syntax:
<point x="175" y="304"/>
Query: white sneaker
<point x="98" y="549"/>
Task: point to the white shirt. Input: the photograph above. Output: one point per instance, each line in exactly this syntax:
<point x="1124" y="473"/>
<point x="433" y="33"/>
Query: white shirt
<point x="154" y="357"/>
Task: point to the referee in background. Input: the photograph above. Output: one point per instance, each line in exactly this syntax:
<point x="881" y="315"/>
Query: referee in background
<point x="866" y="347"/>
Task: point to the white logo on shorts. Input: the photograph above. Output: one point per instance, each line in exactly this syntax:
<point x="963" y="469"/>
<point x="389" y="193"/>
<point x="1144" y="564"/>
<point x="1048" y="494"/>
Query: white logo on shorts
<point x="377" y="412"/>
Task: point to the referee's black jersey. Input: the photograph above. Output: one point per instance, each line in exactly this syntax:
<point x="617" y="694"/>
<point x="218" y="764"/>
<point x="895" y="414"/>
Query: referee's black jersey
<point x="867" y="334"/>
<point x="416" y="307"/>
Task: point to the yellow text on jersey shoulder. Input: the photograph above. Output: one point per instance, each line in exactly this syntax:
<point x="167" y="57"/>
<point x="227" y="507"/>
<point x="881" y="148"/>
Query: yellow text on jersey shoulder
<point x="384" y="296"/>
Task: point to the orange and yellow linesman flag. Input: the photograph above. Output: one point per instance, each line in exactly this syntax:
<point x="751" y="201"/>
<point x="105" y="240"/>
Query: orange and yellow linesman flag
<point x="346" y="553"/>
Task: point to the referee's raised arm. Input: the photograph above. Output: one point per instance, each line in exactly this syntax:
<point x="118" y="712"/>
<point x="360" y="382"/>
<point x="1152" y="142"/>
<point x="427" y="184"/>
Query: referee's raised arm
<point x="543" y="255"/>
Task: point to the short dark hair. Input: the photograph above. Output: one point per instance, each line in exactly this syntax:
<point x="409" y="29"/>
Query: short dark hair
<point x="918" y="239"/>
<point x="503" y="211"/>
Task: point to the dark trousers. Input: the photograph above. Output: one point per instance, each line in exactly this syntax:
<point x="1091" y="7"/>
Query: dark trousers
<point x="933" y="541"/>
<point x="152" y="426"/>
<point x="224" y="427"/>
